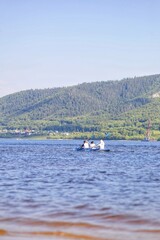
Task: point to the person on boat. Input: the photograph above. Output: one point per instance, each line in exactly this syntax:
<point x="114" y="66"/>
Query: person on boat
<point x="92" y="144"/>
<point x="85" y="144"/>
<point x="101" y="144"/>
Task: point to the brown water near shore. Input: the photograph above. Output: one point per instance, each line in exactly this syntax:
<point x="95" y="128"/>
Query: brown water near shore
<point x="121" y="227"/>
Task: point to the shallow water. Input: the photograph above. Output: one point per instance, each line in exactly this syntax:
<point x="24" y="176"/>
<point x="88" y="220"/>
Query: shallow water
<point x="51" y="191"/>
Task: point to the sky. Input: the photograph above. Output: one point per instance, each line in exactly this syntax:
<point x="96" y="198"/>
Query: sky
<point x="56" y="43"/>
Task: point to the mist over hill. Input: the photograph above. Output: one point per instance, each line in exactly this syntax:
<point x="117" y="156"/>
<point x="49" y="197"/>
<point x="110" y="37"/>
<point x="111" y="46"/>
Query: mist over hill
<point x="98" y="106"/>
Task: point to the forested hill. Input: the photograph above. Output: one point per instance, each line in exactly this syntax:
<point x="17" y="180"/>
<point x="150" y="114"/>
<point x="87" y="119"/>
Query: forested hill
<point x="98" y="99"/>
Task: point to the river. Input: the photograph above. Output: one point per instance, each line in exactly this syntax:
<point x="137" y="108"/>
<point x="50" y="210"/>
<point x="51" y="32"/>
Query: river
<point x="48" y="190"/>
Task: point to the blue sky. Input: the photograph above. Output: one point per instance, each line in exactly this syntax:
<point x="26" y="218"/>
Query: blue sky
<point x="55" y="43"/>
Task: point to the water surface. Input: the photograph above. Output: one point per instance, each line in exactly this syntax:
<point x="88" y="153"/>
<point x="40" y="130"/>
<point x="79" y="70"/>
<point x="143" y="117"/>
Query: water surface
<point x="51" y="191"/>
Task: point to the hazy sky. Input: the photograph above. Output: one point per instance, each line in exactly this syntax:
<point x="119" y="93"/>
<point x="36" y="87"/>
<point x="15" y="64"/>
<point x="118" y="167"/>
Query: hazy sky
<point x="54" y="43"/>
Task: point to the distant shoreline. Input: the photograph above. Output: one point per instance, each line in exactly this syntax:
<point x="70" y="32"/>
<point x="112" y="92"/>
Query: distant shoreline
<point x="69" y="139"/>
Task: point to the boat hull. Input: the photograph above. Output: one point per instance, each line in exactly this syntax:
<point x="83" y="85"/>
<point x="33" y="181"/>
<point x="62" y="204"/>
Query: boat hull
<point x="92" y="150"/>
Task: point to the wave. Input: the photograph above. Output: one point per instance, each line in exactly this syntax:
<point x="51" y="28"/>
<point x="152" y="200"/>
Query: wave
<point x="111" y="227"/>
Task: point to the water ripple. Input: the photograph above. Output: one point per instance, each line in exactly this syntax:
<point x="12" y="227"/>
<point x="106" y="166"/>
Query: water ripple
<point x="51" y="191"/>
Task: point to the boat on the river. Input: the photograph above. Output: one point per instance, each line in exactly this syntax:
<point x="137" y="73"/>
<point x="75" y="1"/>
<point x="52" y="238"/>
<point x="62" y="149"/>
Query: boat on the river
<point x="147" y="137"/>
<point x="92" y="149"/>
<point x="148" y="133"/>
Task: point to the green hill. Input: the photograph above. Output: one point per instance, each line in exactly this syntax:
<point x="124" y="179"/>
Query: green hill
<point x="89" y="107"/>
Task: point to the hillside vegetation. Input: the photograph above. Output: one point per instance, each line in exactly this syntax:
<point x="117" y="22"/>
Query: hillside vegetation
<point x="122" y="108"/>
